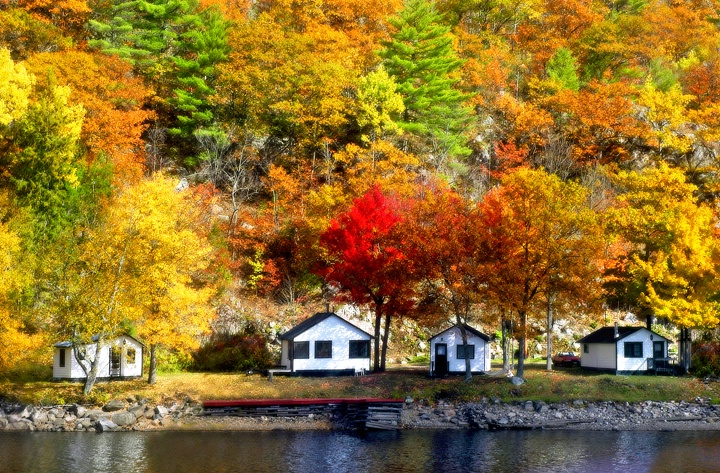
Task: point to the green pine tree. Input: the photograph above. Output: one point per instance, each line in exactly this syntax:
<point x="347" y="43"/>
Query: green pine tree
<point x="421" y="59"/>
<point x="44" y="171"/>
<point x="562" y="68"/>
<point x="204" y="45"/>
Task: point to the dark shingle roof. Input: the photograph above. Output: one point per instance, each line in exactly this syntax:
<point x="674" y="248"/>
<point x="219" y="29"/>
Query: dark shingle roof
<point x="469" y="329"/>
<point x="607" y="335"/>
<point x="68" y="343"/>
<point x="312" y="321"/>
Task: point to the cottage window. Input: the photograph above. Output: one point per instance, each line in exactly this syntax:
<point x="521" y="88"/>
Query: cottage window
<point x="359" y="348"/>
<point x="468" y="350"/>
<point x="130" y="356"/>
<point x="323" y="349"/>
<point x="633" y="350"/>
<point x="62" y="358"/>
<point x="586" y="348"/>
<point x="301" y="350"/>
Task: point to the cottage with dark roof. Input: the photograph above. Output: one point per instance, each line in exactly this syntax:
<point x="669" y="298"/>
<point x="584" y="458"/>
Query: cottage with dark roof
<point x="120" y="358"/>
<point x="325" y="345"/>
<point x="447" y="352"/>
<point x="624" y="350"/>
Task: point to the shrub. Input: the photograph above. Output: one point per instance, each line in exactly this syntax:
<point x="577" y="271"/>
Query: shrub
<point x="706" y="360"/>
<point x="238" y="352"/>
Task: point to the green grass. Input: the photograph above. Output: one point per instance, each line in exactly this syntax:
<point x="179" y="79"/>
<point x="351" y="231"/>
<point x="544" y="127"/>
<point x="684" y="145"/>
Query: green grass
<point x="398" y="382"/>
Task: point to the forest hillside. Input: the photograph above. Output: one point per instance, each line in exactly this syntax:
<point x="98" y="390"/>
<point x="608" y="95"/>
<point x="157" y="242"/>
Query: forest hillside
<point x="207" y="173"/>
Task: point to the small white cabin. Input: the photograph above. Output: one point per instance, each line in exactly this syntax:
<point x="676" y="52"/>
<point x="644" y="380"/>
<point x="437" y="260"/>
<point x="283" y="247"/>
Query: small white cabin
<point x="624" y="350"/>
<point x="447" y="353"/>
<point x="120" y="358"/>
<point x="325" y="345"/>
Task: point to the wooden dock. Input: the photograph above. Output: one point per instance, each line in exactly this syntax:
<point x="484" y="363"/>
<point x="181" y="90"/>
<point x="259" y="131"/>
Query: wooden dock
<point x="362" y="413"/>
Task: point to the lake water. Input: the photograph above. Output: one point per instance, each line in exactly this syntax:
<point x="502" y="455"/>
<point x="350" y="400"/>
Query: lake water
<point x="334" y="451"/>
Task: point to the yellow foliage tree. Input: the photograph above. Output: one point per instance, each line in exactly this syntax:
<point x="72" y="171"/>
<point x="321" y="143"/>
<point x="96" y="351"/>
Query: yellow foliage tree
<point x="671" y="270"/>
<point x="15" y="342"/>
<point x="15" y="88"/>
<point x="136" y="269"/>
<point x="170" y="294"/>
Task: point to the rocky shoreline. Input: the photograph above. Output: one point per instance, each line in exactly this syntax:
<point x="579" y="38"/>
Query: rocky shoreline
<point x="139" y="415"/>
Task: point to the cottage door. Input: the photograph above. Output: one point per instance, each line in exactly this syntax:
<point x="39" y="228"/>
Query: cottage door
<point x="441" y="361"/>
<point x="115" y="353"/>
<point x="658" y="350"/>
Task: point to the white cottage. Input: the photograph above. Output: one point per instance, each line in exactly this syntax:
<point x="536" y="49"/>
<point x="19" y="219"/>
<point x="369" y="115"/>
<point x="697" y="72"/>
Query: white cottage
<point x="624" y="350"/>
<point x="447" y="353"/>
<point x="325" y="345"/>
<point x="120" y="358"/>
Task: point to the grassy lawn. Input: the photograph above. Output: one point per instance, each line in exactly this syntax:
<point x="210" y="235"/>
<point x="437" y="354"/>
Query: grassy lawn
<point x="398" y="382"/>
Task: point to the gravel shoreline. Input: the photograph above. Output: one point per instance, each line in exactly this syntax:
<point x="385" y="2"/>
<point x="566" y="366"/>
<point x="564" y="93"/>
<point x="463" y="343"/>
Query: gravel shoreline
<point x="187" y="414"/>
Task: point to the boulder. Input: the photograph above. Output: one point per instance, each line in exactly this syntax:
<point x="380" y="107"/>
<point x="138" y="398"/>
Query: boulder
<point x="78" y="410"/>
<point x="516" y="381"/>
<point x="24" y="411"/>
<point x="160" y="412"/>
<point x="114" y="405"/>
<point x="105" y="425"/>
<point x="138" y="410"/>
<point x="94" y="414"/>
<point x="123" y="418"/>
<point x="39" y="417"/>
<point x="21" y="425"/>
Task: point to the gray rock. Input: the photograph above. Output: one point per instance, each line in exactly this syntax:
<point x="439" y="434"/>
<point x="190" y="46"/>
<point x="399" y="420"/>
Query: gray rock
<point x="123" y="418"/>
<point x="516" y="381"/>
<point x="529" y="406"/>
<point x="138" y="410"/>
<point x="114" y="405"/>
<point x="21" y="425"/>
<point x="160" y="412"/>
<point x="105" y="425"/>
<point x="94" y="414"/>
<point x="39" y="417"/>
<point x="11" y="418"/>
<point x="24" y="411"/>
<point x="78" y="410"/>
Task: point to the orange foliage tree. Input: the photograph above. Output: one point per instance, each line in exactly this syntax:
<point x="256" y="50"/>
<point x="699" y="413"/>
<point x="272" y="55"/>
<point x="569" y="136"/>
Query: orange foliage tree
<point x="113" y="98"/>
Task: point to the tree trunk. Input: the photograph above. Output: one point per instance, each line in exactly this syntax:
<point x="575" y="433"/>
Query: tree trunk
<point x="463" y="334"/>
<point x="91" y="375"/>
<point x="685" y="349"/>
<point x="376" y="348"/>
<point x="152" y="374"/>
<point x="505" y="340"/>
<point x="385" y="337"/>
<point x="549" y="332"/>
<point x="521" y="347"/>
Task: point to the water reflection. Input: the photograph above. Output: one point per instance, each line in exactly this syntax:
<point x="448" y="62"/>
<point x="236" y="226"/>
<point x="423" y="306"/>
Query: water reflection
<point x="403" y="451"/>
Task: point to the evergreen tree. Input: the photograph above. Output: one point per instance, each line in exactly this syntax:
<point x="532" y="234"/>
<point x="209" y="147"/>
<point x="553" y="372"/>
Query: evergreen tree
<point x="421" y="59"/>
<point x="204" y="46"/>
<point x="175" y="47"/>
<point x="44" y="171"/>
<point x="562" y="68"/>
